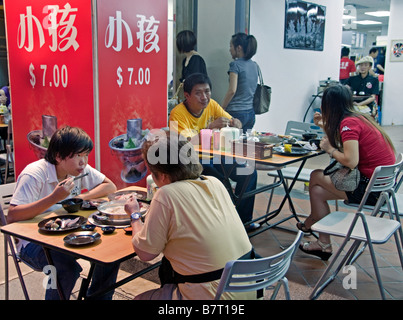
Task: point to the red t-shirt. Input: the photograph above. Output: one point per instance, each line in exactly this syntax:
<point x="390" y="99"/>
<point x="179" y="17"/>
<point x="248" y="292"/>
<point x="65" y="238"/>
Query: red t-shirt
<point x="346" y="66"/>
<point x="374" y="150"/>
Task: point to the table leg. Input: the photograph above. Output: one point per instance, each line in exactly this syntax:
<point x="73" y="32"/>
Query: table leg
<point x="287" y="197"/>
<point x="50" y="261"/>
<point x="85" y="283"/>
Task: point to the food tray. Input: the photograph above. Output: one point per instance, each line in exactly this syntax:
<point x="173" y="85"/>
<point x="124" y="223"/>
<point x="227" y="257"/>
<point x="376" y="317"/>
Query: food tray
<point x="251" y="149"/>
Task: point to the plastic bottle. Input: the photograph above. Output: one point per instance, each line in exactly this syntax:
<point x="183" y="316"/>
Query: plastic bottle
<point x="151" y="187"/>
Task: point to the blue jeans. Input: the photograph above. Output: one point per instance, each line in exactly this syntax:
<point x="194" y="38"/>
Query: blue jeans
<point x="245" y="207"/>
<point x="68" y="271"/>
<point x="247" y="118"/>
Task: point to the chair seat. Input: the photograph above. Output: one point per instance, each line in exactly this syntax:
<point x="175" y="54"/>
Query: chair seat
<point x="290" y="172"/>
<point x="338" y="223"/>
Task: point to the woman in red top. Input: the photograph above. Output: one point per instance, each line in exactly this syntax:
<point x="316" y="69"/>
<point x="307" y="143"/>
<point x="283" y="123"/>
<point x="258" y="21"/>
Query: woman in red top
<point x="354" y="140"/>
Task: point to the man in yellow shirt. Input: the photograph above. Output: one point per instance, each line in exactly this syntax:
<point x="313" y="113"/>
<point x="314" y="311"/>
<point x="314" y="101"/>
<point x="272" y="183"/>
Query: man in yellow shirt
<point x="199" y="111"/>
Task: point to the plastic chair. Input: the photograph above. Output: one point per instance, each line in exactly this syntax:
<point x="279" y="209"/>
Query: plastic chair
<point x="6" y="192"/>
<point x="257" y="274"/>
<point x="399" y="197"/>
<point x="367" y="229"/>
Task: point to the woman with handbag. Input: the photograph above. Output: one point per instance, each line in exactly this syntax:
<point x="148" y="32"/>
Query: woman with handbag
<point x="354" y="140"/>
<point x="243" y="77"/>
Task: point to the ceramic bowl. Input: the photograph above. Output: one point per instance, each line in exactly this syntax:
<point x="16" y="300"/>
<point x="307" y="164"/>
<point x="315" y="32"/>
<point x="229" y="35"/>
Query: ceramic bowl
<point x="72" y="205"/>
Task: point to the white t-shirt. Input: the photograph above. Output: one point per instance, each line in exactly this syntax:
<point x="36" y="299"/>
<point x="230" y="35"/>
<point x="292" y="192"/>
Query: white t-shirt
<point x="39" y="179"/>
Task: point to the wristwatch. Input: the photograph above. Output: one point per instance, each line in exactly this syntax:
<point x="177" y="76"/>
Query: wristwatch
<point x="135" y="216"/>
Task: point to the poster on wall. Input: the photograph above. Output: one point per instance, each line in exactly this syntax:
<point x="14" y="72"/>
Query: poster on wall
<point x="51" y="72"/>
<point x="132" y="75"/>
<point x="396" y="51"/>
<point x="304" y="26"/>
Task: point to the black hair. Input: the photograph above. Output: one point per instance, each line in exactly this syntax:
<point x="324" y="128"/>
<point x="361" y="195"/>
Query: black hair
<point x="345" y="52"/>
<point x="186" y="41"/>
<point x="247" y="42"/>
<point x="373" y="50"/>
<point x="172" y="155"/>
<point x="66" y="142"/>
<point x="337" y="103"/>
<point x="194" y="79"/>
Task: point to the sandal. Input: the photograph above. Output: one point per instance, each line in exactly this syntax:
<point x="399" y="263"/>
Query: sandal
<point x="301" y="226"/>
<point x="321" y="253"/>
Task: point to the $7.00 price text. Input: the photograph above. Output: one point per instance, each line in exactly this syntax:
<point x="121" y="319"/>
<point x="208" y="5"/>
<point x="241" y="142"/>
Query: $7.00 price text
<point x="51" y="76"/>
<point x="143" y="76"/>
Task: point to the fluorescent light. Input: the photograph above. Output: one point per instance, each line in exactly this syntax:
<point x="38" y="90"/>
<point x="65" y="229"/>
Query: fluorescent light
<point x="368" y="22"/>
<point x="346" y="16"/>
<point x="379" y="13"/>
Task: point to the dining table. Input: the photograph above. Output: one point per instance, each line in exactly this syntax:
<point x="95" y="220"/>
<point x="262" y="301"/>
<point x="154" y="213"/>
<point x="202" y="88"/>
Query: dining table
<point x="109" y="248"/>
<point x="277" y="161"/>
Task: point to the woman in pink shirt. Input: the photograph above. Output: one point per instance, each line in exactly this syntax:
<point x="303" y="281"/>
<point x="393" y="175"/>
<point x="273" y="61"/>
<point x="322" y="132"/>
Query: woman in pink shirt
<point x="354" y="140"/>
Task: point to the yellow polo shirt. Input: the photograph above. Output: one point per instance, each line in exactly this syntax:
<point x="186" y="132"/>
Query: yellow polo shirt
<point x="182" y="121"/>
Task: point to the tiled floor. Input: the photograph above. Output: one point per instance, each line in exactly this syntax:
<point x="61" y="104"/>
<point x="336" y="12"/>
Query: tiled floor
<point x="304" y="270"/>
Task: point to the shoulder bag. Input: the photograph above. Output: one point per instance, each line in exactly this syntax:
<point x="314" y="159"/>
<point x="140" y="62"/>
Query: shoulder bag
<point x="262" y="97"/>
<point x="343" y="178"/>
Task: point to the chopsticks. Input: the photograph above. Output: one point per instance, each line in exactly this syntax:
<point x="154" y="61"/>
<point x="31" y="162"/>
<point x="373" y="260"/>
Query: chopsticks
<point x="76" y="178"/>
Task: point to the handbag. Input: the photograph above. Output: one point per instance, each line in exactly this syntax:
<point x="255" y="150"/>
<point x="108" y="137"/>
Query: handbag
<point x="343" y="178"/>
<point x="174" y="101"/>
<point x="262" y="96"/>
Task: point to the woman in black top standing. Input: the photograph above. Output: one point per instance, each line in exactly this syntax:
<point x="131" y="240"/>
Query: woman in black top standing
<point x="193" y="63"/>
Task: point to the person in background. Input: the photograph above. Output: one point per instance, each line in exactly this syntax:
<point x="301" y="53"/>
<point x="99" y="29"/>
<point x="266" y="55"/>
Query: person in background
<point x="199" y="111"/>
<point x="354" y="140"/>
<point x="373" y="53"/>
<point x="191" y="220"/>
<point x="347" y="66"/>
<point x="40" y="187"/>
<point x="193" y="62"/>
<point x="243" y="78"/>
<point x="365" y="85"/>
<point x="380" y="62"/>
<point x="5" y="96"/>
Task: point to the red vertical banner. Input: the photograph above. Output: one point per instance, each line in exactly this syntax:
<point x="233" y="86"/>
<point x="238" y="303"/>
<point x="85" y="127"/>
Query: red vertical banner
<point x="51" y="71"/>
<point x="132" y="75"/>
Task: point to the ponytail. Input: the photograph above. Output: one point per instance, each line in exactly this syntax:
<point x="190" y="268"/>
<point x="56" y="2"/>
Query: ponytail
<point x="247" y="42"/>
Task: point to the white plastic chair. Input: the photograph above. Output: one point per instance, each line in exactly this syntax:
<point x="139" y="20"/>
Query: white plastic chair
<point x="367" y="229"/>
<point x="6" y="192"/>
<point x="257" y="274"/>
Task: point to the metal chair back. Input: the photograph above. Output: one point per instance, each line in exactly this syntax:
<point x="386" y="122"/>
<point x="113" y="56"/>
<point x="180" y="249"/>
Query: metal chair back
<point x="256" y="274"/>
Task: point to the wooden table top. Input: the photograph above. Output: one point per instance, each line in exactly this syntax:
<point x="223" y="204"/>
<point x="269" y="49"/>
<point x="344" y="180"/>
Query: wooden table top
<point x="277" y="160"/>
<point x="110" y="248"/>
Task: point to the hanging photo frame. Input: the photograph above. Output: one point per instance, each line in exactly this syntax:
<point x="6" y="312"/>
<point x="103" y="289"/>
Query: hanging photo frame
<point x="396" y="51"/>
<point x="304" y="26"/>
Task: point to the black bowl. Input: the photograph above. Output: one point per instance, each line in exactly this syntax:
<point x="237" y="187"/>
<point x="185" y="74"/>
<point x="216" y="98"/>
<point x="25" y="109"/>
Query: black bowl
<point x="72" y="205"/>
<point x="88" y="227"/>
<point x="108" y="229"/>
<point x="308" y="136"/>
<point x="315" y="141"/>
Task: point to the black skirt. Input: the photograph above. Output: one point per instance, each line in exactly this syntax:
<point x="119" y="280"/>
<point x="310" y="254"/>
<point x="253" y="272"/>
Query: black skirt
<point x="357" y="195"/>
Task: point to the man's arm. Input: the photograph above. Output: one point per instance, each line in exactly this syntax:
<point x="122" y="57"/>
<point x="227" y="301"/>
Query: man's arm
<point x="101" y="190"/>
<point x="31" y="210"/>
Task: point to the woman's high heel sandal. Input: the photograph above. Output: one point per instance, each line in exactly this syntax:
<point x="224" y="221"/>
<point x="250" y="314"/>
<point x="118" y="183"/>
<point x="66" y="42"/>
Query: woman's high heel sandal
<point x="324" y="255"/>
<point x="301" y="226"/>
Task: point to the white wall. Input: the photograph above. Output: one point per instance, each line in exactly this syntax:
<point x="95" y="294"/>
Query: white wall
<point x="216" y="25"/>
<point x="392" y="111"/>
<point x="294" y="75"/>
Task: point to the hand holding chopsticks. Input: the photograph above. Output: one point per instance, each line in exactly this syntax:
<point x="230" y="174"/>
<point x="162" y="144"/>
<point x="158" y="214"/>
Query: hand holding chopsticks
<point x="76" y="178"/>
